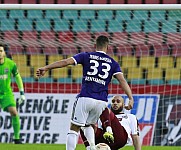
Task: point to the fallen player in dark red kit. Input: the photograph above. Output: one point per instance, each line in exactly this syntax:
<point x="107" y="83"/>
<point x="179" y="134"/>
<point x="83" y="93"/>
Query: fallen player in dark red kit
<point x="115" y="128"/>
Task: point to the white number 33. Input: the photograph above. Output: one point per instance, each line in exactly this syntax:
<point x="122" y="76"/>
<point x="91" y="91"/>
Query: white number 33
<point x="95" y="66"/>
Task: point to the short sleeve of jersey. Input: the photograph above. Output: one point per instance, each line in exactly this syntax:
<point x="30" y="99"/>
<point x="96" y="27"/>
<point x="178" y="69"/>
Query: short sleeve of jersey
<point x="78" y="58"/>
<point x="14" y="70"/>
<point x="134" y="125"/>
<point x="117" y="69"/>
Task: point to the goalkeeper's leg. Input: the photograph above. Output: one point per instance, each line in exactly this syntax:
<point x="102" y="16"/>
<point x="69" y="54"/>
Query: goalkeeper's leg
<point x="15" y="124"/>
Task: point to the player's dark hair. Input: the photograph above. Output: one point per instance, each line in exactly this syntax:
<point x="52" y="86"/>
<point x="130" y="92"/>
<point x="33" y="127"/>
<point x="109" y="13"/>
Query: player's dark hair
<point x="102" y="41"/>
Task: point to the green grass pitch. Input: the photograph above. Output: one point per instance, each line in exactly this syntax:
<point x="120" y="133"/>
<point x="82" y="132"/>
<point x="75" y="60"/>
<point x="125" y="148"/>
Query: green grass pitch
<point x="79" y="147"/>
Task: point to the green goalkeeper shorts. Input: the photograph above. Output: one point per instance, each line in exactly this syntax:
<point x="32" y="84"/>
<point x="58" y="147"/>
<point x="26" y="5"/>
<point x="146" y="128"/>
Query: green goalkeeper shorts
<point x="7" y="101"/>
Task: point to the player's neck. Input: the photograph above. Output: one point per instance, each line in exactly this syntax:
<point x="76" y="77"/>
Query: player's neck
<point x="1" y="60"/>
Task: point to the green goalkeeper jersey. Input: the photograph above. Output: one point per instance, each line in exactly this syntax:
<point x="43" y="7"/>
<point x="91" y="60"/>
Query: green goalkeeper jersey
<point x="7" y="69"/>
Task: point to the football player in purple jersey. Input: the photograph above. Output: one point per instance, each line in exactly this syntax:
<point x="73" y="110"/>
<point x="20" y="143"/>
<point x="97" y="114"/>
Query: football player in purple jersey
<point x="98" y="70"/>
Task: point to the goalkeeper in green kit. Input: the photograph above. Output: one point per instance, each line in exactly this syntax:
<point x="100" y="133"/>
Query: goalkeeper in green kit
<point x="7" y="100"/>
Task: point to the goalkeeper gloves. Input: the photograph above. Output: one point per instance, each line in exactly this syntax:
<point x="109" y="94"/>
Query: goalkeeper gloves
<point x="22" y="97"/>
<point x="109" y="137"/>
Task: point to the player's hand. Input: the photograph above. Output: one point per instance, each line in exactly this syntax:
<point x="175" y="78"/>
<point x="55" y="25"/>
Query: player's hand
<point x="130" y="104"/>
<point x="109" y="137"/>
<point x="40" y="72"/>
<point x="22" y="98"/>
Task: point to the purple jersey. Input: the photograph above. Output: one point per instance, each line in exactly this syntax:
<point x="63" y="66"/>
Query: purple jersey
<point x="98" y="69"/>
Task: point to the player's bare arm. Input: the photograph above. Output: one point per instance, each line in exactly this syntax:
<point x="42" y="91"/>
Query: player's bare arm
<point x="58" y="64"/>
<point x="136" y="142"/>
<point x="126" y="88"/>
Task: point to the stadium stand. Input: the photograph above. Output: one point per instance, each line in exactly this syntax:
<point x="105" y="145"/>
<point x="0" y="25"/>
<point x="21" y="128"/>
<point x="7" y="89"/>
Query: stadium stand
<point x="64" y="2"/>
<point x="87" y="14"/>
<point x="46" y="1"/>
<point x="99" y="1"/>
<point x="178" y="62"/>
<point x="48" y="38"/>
<point x="80" y="25"/>
<point x="7" y="25"/>
<point x="61" y="25"/>
<point x="151" y="43"/>
<point x="30" y="38"/>
<point x="124" y="50"/>
<point x="34" y="14"/>
<point x="25" y="25"/>
<point x="15" y="49"/>
<point x="66" y="38"/>
<point x="28" y="1"/>
<point x="170" y="1"/>
<point x="128" y="61"/>
<point x="147" y="62"/>
<point x="77" y="72"/>
<point x="172" y="74"/>
<point x="50" y="51"/>
<point x="134" y="2"/>
<point x="53" y="14"/>
<point x="82" y="1"/>
<point x="117" y="1"/>
<point x="33" y="50"/>
<point x="152" y="1"/>
<point x="11" y="1"/>
<point x="135" y="73"/>
<point x="165" y="62"/>
<point x="142" y="50"/>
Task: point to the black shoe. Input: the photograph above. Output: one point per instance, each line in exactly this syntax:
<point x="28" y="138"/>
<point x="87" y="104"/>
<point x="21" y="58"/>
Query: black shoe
<point x="17" y="141"/>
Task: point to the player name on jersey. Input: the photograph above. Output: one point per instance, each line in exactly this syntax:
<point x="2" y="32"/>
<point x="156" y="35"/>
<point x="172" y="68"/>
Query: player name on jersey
<point x="100" y="58"/>
<point x="95" y="80"/>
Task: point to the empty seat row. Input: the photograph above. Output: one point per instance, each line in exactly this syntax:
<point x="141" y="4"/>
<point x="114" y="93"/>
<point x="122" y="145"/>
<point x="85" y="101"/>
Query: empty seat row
<point x="89" y="2"/>
<point x="76" y="72"/>
<point x="159" y="15"/>
<point x="83" y="25"/>
<point x="124" y="50"/>
<point x="121" y="44"/>
<point x="124" y="61"/>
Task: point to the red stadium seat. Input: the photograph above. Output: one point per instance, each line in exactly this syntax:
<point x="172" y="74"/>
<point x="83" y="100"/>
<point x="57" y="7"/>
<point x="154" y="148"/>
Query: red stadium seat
<point x="116" y="1"/>
<point x="12" y="38"/>
<point x="33" y="50"/>
<point x="155" y="38"/>
<point x="169" y="1"/>
<point x="110" y="50"/>
<point x="160" y="50"/>
<point x="46" y="1"/>
<point x="15" y="50"/>
<point x="142" y="50"/>
<point x="11" y="1"/>
<point x="173" y="38"/>
<point x="48" y="38"/>
<point x="83" y="39"/>
<point x="134" y="2"/>
<point x="50" y="50"/>
<point x="152" y="1"/>
<point x="82" y="1"/>
<point x="64" y="2"/>
<point x="87" y="49"/>
<point x="176" y="49"/>
<point x="119" y="38"/>
<point x="66" y="38"/>
<point x="99" y="1"/>
<point x="28" y="1"/>
<point x="69" y="51"/>
<point x="124" y="50"/>
<point x="138" y="38"/>
<point x="29" y="38"/>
